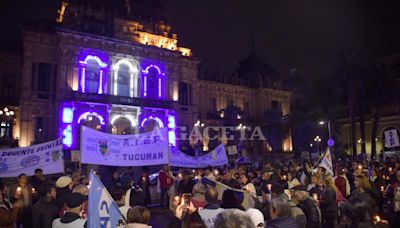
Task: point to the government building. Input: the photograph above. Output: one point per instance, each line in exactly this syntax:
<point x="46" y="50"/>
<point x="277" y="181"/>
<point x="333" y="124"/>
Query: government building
<point x="107" y="68"/>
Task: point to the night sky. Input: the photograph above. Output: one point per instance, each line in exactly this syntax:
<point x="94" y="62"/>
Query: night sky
<point x="300" y="33"/>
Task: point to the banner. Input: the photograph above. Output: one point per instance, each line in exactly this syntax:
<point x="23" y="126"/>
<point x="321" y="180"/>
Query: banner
<point x="326" y="162"/>
<point x="46" y="156"/>
<point x="124" y="150"/>
<point x="216" y="157"/>
<point x="391" y="138"/>
<point x="102" y="210"/>
<point x="247" y="200"/>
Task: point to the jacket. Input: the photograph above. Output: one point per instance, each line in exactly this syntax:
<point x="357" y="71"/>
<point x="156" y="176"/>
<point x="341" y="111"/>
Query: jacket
<point x="283" y="222"/>
<point x="8" y="217"/>
<point x="70" y="220"/>
<point x="312" y="212"/>
<point x="44" y="213"/>
<point x="13" y="191"/>
<point x="328" y="203"/>
<point x="165" y="180"/>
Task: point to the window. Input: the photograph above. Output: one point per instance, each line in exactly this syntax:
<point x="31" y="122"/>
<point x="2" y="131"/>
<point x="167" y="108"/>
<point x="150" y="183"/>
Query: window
<point x="185" y="91"/>
<point x="123" y="80"/>
<point x="92" y="76"/>
<point x="152" y="83"/>
<point x="43" y="75"/>
<point x="5" y="128"/>
<point x="8" y="85"/>
<point x="41" y="129"/>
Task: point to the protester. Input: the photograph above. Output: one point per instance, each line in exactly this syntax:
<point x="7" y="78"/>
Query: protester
<point x="296" y="212"/>
<point x="186" y="216"/>
<point x="64" y="186"/>
<point x="292" y="181"/>
<point x="118" y="194"/>
<point x="37" y="181"/>
<point x="356" y="213"/>
<point x="229" y="179"/>
<point x="71" y="218"/>
<point x="138" y="217"/>
<point x="280" y="214"/>
<point x="198" y="198"/>
<point x="341" y="182"/>
<point x="45" y="210"/>
<point x="256" y="216"/>
<point x="22" y="190"/>
<point x="9" y="212"/>
<point x="233" y="218"/>
<point x="212" y="209"/>
<point x="230" y="200"/>
<point x="313" y="186"/>
<point x="308" y="205"/>
<point x="186" y="184"/>
<point x="364" y="190"/>
<point x="166" y="181"/>
<point x="268" y="179"/>
<point x="327" y="202"/>
<point x="247" y="184"/>
<point x="393" y="194"/>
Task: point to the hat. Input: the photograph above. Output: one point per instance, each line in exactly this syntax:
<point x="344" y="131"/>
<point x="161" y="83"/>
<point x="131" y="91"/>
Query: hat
<point x="277" y="189"/>
<point x="63" y="181"/>
<point x="300" y="188"/>
<point x="256" y="216"/>
<point x="74" y="199"/>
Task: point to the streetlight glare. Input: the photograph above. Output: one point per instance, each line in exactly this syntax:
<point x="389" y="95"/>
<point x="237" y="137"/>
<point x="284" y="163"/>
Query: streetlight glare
<point x="321" y="122"/>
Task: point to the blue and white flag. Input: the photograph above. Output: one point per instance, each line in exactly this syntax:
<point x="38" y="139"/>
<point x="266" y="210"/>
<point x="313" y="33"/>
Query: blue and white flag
<point x="103" y="212"/>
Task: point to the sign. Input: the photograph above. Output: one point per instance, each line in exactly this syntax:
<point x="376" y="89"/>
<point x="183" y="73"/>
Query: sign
<point x="75" y="155"/>
<point x="232" y="150"/>
<point x="216" y="157"/>
<point x="124" y="150"/>
<point x="102" y="210"/>
<point x="391" y="138"/>
<point x="47" y="156"/>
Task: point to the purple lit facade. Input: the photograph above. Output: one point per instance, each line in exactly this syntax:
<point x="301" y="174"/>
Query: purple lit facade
<point x="94" y="68"/>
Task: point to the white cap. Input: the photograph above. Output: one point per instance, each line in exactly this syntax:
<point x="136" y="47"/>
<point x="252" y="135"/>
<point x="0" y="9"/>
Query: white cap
<point x="256" y="216"/>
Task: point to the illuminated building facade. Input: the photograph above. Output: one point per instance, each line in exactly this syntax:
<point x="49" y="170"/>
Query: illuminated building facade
<point x="120" y="75"/>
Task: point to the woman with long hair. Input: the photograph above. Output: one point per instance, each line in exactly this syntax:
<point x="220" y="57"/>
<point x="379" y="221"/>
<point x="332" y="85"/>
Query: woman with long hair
<point x="327" y="202"/>
<point x="364" y="190"/>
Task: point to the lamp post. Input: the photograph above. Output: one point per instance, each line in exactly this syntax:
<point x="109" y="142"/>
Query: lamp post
<point x="317" y="140"/>
<point x="330" y="140"/>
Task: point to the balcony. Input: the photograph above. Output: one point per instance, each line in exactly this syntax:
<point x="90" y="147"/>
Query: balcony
<point x="111" y="99"/>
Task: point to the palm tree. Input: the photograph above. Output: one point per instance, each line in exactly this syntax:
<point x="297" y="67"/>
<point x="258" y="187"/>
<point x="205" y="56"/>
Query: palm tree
<point x="349" y="65"/>
<point x="385" y="90"/>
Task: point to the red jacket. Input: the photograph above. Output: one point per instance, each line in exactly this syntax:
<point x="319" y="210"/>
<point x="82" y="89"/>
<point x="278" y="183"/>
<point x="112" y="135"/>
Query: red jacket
<point x="340" y="183"/>
<point x="165" y="180"/>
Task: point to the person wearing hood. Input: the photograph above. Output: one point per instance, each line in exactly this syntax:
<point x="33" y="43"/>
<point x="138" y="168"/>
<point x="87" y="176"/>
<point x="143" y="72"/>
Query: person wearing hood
<point x="72" y="218"/>
<point x="138" y="217"/>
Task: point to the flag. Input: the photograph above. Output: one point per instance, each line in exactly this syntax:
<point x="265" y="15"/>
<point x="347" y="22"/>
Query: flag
<point x="102" y="211"/>
<point x="244" y="197"/>
<point x="326" y="162"/>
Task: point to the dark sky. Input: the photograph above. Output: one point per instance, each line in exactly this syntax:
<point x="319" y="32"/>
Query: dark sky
<point x="304" y="33"/>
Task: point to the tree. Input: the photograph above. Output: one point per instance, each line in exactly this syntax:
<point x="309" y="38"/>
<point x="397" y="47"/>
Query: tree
<point x="349" y="67"/>
<point x="385" y="90"/>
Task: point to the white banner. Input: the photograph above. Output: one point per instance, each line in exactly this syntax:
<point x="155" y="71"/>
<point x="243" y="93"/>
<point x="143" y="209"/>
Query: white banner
<point x="391" y="138"/>
<point x="124" y="150"/>
<point x="216" y="157"/>
<point x="46" y="156"/>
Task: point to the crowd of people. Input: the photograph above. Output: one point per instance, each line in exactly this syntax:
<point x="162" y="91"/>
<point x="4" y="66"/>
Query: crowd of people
<point x="289" y="194"/>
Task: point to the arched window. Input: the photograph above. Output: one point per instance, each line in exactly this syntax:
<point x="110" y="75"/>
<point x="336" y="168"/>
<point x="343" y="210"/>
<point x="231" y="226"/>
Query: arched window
<point x="153" y="82"/>
<point x="92" y="75"/>
<point x="125" y="79"/>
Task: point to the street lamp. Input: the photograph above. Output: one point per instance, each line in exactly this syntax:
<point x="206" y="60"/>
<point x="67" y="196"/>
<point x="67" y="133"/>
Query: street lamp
<point x="329" y="130"/>
<point x="317" y="140"/>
